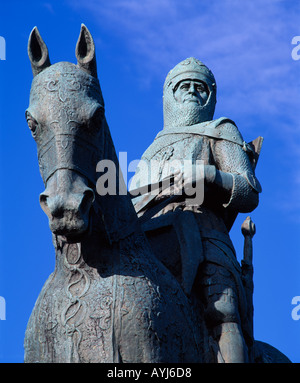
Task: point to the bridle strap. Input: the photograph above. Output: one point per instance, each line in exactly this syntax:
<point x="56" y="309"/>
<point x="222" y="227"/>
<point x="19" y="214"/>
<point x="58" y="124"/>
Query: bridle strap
<point x="68" y="151"/>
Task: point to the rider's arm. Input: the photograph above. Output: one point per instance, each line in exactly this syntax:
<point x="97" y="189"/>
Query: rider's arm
<point x="234" y="173"/>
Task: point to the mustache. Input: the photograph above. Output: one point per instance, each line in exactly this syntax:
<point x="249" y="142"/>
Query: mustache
<point x="192" y="98"/>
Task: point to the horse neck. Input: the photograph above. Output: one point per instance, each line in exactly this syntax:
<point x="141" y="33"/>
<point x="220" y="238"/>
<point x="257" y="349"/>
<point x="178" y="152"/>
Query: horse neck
<point x="116" y="209"/>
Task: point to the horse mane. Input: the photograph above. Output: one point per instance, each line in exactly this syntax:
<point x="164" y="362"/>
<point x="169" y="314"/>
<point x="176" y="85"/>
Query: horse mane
<point x="121" y="220"/>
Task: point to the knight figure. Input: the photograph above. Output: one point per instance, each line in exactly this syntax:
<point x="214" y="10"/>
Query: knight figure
<point x="192" y="239"/>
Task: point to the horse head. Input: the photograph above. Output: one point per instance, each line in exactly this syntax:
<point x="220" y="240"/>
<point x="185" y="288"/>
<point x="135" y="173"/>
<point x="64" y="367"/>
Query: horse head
<point x="65" y="116"/>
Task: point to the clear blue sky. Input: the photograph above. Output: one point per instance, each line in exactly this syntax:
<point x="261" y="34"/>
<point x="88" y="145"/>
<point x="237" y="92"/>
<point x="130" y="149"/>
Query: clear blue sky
<point x="247" y="45"/>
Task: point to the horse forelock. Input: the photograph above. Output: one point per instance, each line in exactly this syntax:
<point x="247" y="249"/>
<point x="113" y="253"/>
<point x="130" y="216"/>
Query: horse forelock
<point x="68" y="80"/>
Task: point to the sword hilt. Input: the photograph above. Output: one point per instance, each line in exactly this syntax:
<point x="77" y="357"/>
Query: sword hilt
<point x="248" y="231"/>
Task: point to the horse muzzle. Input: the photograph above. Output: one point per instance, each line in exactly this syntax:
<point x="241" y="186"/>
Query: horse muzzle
<point x="67" y="201"/>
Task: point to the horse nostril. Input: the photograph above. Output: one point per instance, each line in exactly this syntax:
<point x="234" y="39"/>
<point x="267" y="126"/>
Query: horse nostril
<point x="87" y="200"/>
<point x="52" y="206"/>
<point x="66" y="205"/>
<point x="44" y="204"/>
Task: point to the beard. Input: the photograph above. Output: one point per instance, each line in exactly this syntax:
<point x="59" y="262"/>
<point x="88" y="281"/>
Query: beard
<point x="186" y="114"/>
<point x="189" y="114"/>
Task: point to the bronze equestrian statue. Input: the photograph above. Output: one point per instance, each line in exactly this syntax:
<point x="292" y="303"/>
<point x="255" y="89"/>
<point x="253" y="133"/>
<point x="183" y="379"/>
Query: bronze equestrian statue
<point x="109" y="299"/>
<point x="177" y="295"/>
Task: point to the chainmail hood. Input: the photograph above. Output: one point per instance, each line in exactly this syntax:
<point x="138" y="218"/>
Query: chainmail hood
<point x="176" y="114"/>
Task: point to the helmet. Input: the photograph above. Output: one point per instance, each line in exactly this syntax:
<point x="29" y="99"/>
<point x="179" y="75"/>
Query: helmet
<point x="177" y="114"/>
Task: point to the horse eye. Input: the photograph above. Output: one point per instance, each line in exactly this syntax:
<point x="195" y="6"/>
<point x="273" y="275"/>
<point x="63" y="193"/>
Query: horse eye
<point x="32" y="123"/>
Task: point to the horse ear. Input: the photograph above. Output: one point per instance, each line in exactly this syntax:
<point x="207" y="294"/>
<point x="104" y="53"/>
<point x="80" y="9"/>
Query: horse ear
<point x="37" y="52"/>
<point x="85" y="52"/>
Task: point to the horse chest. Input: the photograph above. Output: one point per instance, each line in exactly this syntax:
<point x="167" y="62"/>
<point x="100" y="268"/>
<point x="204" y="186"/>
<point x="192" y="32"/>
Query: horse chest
<point x="74" y="319"/>
<point x="84" y="317"/>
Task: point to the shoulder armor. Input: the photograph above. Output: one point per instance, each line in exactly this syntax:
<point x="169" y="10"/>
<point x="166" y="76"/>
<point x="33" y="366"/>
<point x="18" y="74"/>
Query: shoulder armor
<point x="230" y="129"/>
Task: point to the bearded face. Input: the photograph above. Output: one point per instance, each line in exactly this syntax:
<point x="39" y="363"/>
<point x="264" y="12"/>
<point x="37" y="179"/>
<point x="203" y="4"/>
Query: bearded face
<point x="189" y="102"/>
<point x="189" y="94"/>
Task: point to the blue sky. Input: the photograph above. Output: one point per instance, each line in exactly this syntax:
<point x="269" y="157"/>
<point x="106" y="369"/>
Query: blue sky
<point x="247" y="45"/>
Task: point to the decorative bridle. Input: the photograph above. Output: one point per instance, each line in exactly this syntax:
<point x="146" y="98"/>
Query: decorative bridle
<point x="69" y="146"/>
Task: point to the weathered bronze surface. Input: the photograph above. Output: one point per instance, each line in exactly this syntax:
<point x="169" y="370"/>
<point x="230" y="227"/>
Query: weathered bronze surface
<point x="156" y="280"/>
<point x="109" y="299"/>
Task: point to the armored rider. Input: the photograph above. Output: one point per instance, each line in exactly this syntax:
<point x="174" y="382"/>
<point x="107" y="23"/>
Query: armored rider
<point x="209" y="267"/>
